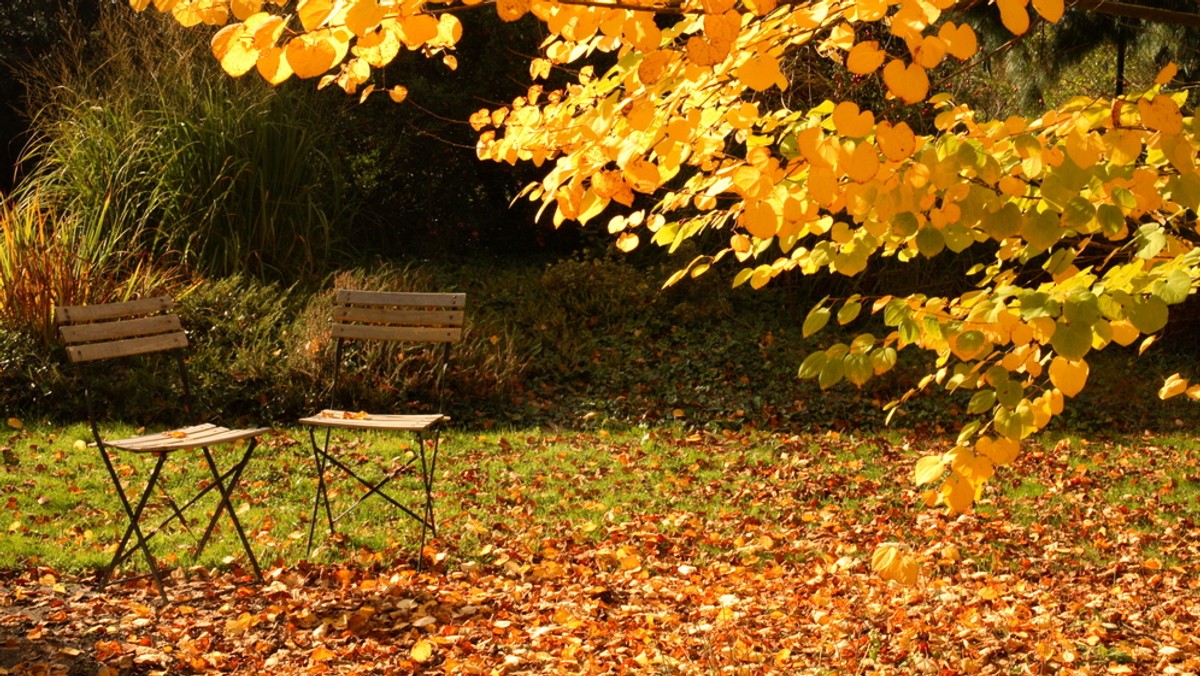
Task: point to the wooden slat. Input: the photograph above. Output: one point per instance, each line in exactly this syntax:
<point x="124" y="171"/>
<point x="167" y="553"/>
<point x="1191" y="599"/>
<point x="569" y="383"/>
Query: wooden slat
<point x="143" y="326"/>
<point x="185" y="438"/>
<point x="401" y="299"/>
<point x="102" y="311"/>
<point x="375" y="421"/>
<point x="378" y="315"/>
<point x="127" y="347"/>
<point x="422" y="334"/>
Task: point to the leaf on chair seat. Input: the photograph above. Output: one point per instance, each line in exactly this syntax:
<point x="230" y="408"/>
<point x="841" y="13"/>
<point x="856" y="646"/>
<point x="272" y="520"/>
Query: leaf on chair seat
<point x="177" y="434"/>
<point x="361" y="415"/>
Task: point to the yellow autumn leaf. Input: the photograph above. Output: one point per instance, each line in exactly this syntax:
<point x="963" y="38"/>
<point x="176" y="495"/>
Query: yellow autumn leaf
<point x="234" y="50"/>
<point x="653" y="64"/>
<point x="314" y="13"/>
<point x="958" y="494"/>
<point x="702" y="52"/>
<point x="398" y="93"/>
<point x="960" y="40"/>
<point x="364" y="16"/>
<point x="761" y="7"/>
<point x="974" y="468"/>
<point x="321" y="654"/>
<point x="871" y="10"/>
<point x="1173" y="386"/>
<point x="1013" y="15"/>
<point x="417" y="30"/>
<point x="1161" y="114"/>
<point x="1167" y="74"/>
<point x="379" y="48"/>
<point x="897" y="142"/>
<point x="208" y="12"/>
<point x="891" y="563"/>
<point x="449" y="31"/>
<point x="864" y="163"/>
<point x="910" y="83"/>
<point x="1068" y="376"/>
<point x="849" y="121"/>
<point x="244" y="9"/>
<point x="421" y="651"/>
<point x="1050" y="10"/>
<point x="929" y="52"/>
<point x="627" y="242"/>
<point x="761" y="72"/>
<point x="865" y="58"/>
<point x="311" y="54"/>
<point x="511" y="10"/>
<point x="273" y="65"/>
<point x="642" y="175"/>
<point x="760" y="219"/>
<point x="15" y="423"/>
<point x="929" y="469"/>
<point x="1000" y="451"/>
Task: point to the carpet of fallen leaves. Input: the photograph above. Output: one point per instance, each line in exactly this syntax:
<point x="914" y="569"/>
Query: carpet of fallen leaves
<point x="775" y="580"/>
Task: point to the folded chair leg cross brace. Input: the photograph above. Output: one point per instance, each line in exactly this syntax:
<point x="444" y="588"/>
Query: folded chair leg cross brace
<point x="100" y="332"/>
<point x="388" y="316"/>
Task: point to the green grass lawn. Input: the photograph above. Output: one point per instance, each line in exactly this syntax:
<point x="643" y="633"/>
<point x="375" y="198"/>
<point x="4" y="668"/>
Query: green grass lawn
<point x="712" y="549"/>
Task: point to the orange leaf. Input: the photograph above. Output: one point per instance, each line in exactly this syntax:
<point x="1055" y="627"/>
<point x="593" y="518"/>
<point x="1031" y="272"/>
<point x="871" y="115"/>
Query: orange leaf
<point x="511" y="10"/>
<point x="864" y="163"/>
<point x="364" y="16"/>
<point x="760" y="72"/>
<point x="1166" y="74"/>
<point x="898" y="142"/>
<point x="910" y="82"/>
<point x="760" y="220"/>
<point x="321" y="654"/>
<point x="960" y="40"/>
<point x="311" y="54"/>
<point x="930" y="51"/>
<point x="865" y="58"/>
<point x="1161" y="114"/>
<point x="244" y="9"/>
<point x="850" y="122"/>
<point x="1013" y="15"/>
<point x="1051" y="10"/>
<point x="652" y="65"/>
<point x="313" y="13"/>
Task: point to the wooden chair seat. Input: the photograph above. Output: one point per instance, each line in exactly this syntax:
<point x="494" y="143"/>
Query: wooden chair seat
<point x="375" y="421"/>
<point x="184" y="438"/>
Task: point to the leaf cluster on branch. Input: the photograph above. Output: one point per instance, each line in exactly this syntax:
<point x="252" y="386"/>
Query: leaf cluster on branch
<point x="1084" y="216"/>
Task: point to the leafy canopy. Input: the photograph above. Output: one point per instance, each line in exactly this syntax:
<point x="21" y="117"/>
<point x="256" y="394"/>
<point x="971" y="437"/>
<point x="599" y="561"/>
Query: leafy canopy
<point x="1084" y="215"/>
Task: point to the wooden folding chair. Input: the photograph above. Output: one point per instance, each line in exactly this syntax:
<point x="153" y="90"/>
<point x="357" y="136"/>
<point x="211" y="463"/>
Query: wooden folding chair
<point x="98" y="333"/>
<point x="387" y="316"/>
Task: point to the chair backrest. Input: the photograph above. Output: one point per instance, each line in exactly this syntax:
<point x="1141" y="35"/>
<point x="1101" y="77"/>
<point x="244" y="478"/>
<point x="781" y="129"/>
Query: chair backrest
<point x="94" y="333"/>
<point x="398" y="316"/>
<point x="108" y="330"/>
<point x="386" y="315"/>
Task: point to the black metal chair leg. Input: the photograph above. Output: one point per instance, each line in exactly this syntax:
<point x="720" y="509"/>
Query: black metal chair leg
<point x="319" y="457"/>
<point x="237" y="523"/>
<point x="233" y="475"/>
<point x="134" y="528"/>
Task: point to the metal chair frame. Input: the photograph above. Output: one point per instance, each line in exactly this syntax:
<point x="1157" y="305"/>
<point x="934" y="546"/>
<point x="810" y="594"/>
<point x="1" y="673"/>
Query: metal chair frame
<point x="98" y="333"/>
<point x="387" y="316"/>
